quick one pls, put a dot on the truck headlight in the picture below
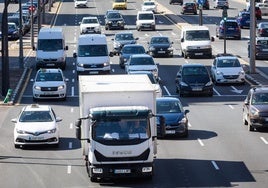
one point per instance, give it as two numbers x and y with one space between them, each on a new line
97 170
152 48
205 47
147 169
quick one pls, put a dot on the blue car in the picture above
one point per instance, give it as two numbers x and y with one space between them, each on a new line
232 29
243 19
127 51
176 121
13 31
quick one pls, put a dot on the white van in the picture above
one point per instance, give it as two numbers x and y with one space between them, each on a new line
92 55
51 48
145 20
196 41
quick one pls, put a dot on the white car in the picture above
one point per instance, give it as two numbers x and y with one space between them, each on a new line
141 62
36 125
80 3
155 82
90 25
263 7
227 69
49 84
149 6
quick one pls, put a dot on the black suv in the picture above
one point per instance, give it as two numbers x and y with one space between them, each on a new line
255 108
114 20
193 78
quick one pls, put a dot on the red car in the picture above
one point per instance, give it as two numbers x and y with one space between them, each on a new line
258 13
189 8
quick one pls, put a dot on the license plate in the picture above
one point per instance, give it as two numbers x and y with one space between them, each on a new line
170 132
197 89
122 171
50 64
198 54
146 26
93 72
231 29
36 138
161 52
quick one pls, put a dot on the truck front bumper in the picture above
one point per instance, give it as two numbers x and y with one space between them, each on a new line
121 170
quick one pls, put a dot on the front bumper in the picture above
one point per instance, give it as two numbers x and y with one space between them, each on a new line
43 139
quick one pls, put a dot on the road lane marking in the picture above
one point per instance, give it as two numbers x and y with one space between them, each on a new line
72 91
72 110
69 169
166 90
71 125
215 165
264 140
200 142
231 106
216 92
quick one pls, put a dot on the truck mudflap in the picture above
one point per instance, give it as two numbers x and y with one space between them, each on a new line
143 170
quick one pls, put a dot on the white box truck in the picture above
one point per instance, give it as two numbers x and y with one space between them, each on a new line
111 106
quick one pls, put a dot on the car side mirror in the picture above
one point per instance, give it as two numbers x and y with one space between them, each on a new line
182 40
111 54
212 39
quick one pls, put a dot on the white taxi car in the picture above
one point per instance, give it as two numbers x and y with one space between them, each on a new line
80 3
90 25
49 84
36 125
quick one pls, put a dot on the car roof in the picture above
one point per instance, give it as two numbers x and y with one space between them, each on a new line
50 70
141 55
193 65
90 17
145 12
167 99
227 57
37 107
123 32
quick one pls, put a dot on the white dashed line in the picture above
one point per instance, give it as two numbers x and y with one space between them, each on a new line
264 140
70 145
69 169
231 106
200 142
215 165
71 125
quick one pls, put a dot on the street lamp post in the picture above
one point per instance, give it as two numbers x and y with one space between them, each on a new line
20 38
252 50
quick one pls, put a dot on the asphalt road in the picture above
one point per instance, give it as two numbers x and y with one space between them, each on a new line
219 151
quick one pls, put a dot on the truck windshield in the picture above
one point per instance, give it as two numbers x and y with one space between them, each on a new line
127 129
50 44
92 50
197 35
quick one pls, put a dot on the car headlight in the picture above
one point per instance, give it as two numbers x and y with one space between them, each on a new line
80 64
152 48
52 131
106 64
209 83
109 22
254 112
205 47
125 59
61 87
183 121
183 84
219 73
117 44
20 131
170 48
37 87
242 73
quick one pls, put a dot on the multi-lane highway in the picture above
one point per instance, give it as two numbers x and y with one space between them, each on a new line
219 152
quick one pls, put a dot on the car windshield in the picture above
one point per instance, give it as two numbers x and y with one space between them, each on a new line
228 63
148 3
119 1
197 35
92 50
141 61
159 40
125 129
163 107
260 99
146 16
90 20
193 71
50 44
113 15
45 77
120 37
36 116
11 26
231 24
133 50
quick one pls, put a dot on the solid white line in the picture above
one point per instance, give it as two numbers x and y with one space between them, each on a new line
263 139
69 169
215 165
231 106
73 71
70 145
72 110
71 125
200 142
72 91
166 90
73 80
216 92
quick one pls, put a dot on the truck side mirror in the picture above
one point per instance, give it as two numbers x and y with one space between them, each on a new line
162 124
66 47
78 129
111 54
33 48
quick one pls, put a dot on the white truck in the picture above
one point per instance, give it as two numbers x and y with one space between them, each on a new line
110 105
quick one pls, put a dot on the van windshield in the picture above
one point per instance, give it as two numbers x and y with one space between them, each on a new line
50 44
197 35
92 50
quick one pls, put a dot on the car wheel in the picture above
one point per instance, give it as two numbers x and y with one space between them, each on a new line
245 122
250 127
185 134
184 55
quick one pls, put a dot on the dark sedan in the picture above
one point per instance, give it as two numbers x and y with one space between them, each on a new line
176 121
13 31
243 19
262 30
127 51
189 8
193 78
114 20
160 46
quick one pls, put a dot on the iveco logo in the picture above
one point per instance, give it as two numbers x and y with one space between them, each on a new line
49 88
124 152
